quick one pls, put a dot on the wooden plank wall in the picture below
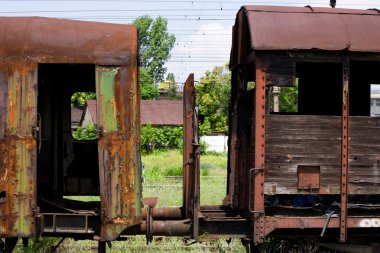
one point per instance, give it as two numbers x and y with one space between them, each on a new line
293 140
364 155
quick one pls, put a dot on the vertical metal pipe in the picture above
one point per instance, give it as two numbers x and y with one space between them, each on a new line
344 148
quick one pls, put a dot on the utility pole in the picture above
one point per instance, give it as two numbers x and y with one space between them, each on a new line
332 3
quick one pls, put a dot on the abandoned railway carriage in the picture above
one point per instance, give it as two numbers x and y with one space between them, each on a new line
43 62
314 171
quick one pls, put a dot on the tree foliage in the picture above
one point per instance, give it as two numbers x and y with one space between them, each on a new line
170 77
213 95
85 133
155 45
162 137
289 99
78 99
148 89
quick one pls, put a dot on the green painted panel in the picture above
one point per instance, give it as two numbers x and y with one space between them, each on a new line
105 84
18 151
119 149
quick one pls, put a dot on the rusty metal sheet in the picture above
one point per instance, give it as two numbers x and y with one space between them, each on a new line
308 177
271 223
3 97
50 40
18 151
119 149
191 156
302 28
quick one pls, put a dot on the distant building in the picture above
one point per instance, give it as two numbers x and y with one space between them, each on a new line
162 112
154 112
89 116
375 100
76 117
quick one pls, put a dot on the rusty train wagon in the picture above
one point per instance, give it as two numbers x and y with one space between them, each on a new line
43 61
310 172
314 171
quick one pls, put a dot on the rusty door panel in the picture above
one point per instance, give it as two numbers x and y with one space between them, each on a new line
191 156
2 106
119 149
18 150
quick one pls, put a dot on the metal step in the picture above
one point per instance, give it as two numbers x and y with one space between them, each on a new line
69 223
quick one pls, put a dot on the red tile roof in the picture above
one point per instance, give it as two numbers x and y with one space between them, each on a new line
162 112
153 112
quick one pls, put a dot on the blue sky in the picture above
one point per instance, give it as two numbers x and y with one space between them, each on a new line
202 27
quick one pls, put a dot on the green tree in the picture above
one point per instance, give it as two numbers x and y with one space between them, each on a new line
170 77
155 44
78 99
289 99
148 89
85 133
213 95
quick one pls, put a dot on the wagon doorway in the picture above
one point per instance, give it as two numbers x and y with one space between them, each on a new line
67 160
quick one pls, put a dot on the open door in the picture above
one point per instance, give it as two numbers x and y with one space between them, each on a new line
119 149
191 153
18 86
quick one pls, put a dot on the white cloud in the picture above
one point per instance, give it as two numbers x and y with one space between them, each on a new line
206 48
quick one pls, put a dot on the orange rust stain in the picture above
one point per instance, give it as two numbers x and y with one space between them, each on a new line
11 109
9 212
8 183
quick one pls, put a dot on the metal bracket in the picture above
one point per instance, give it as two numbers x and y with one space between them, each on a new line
250 174
150 203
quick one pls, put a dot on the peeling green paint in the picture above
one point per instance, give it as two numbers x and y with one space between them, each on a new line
105 80
119 150
18 154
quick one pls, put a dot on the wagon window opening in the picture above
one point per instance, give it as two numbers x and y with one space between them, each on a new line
83 116
319 88
375 100
283 100
364 88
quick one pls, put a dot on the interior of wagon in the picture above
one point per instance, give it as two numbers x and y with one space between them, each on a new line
65 166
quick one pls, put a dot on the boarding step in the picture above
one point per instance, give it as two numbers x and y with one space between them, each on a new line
69 223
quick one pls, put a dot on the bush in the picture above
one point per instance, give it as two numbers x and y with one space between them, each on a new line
163 137
85 133
173 171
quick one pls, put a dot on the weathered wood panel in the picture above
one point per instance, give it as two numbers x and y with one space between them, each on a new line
294 140
364 155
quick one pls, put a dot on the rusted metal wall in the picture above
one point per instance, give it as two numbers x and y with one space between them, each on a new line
119 149
52 40
18 83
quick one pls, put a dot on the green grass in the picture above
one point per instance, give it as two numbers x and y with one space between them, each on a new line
136 244
163 177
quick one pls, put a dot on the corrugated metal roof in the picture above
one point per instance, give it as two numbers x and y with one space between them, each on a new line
53 40
162 112
153 112
303 28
